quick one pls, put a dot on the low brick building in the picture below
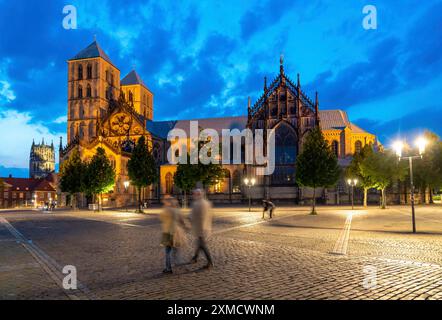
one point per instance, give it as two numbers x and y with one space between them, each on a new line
26 192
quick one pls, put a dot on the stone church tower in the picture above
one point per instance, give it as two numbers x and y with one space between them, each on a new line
93 81
41 160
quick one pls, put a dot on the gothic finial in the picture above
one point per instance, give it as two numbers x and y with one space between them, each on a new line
42 141
317 109
61 144
265 84
281 64
299 81
95 37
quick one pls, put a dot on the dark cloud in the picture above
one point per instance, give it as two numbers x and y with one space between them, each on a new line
263 16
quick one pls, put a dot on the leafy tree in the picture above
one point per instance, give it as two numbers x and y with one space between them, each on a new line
383 168
141 168
317 165
100 175
72 176
428 170
354 170
186 177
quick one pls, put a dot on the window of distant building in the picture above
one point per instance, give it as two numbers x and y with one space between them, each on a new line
131 97
236 182
285 155
169 183
89 71
358 146
335 147
80 72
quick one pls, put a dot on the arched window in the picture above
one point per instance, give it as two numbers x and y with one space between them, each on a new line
285 155
107 75
236 182
169 183
131 97
88 91
108 90
80 92
72 131
89 71
91 132
80 72
82 130
81 111
358 146
112 79
335 147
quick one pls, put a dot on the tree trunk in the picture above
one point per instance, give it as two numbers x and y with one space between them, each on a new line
384 202
314 202
100 201
365 196
140 209
185 200
431 195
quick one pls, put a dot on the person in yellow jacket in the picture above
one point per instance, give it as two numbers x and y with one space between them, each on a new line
172 225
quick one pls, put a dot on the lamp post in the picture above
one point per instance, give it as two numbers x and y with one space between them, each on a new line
126 186
249 183
352 183
398 146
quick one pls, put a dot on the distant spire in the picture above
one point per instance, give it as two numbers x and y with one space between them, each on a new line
265 84
43 141
249 108
60 147
95 37
299 81
52 144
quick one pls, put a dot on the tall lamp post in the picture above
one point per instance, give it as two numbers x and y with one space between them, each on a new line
398 146
126 186
249 183
352 183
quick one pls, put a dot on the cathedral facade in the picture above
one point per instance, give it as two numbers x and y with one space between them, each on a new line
104 111
41 160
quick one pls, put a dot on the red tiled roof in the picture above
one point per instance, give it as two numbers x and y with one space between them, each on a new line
29 184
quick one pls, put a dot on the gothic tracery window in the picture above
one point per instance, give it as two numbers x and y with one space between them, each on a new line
80 92
80 72
335 147
236 182
88 91
89 71
285 155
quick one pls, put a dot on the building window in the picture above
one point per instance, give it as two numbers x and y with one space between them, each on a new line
88 91
236 182
169 183
80 72
131 97
335 147
80 92
89 71
218 187
358 146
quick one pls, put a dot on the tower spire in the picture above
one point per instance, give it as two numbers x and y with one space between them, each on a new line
249 108
60 147
281 64
265 84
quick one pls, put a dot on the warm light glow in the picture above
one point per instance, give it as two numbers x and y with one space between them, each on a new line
126 184
355 181
349 181
421 143
246 181
398 146
253 181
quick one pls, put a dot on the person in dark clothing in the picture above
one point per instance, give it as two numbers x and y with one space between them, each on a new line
268 206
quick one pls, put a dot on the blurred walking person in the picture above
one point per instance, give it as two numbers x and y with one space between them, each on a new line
268 206
201 219
171 224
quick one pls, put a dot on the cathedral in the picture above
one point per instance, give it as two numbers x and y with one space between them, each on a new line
104 111
41 160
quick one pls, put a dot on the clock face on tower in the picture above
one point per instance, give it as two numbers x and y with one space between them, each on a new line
121 123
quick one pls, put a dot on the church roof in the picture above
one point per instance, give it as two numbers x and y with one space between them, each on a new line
92 51
132 78
29 184
329 120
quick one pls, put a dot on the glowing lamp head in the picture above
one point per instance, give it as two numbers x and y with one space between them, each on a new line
355 181
126 184
421 143
349 181
246 181
398 146
252 181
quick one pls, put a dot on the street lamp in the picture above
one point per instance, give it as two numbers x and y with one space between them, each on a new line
421 143
249 183
126 186
352 183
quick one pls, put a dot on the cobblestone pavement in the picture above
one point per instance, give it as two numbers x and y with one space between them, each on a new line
117 255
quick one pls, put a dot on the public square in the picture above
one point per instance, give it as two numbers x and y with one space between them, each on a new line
337 254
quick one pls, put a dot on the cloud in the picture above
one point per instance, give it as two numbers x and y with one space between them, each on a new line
5 91
62 119
14 149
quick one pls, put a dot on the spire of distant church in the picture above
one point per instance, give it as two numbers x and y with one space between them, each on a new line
265 84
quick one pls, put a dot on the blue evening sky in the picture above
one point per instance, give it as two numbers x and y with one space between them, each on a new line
204 58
